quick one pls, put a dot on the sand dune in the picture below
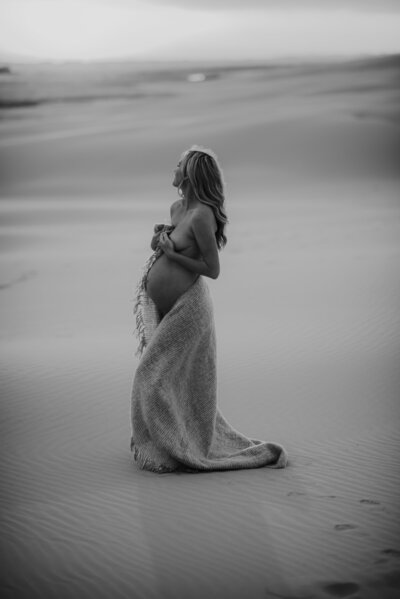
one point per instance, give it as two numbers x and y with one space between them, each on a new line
308 341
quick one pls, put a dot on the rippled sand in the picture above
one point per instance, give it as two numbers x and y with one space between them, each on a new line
307 315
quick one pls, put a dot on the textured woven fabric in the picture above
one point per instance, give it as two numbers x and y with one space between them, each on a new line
176 423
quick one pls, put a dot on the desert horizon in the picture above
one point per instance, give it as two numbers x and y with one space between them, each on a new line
307 319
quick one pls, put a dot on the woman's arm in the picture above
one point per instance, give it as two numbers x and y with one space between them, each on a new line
208 265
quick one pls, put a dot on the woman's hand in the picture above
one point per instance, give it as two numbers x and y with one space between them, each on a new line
165 244
158 229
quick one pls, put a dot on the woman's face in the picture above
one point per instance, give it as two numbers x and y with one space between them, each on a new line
178 174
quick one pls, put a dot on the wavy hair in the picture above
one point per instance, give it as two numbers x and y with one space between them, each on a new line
205 179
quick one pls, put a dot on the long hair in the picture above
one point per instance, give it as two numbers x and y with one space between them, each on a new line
205 179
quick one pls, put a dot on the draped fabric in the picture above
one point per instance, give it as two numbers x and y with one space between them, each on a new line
176 424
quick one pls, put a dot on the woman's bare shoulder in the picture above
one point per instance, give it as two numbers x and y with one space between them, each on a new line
204 214
175 206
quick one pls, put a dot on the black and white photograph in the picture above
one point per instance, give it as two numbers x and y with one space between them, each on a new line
200 299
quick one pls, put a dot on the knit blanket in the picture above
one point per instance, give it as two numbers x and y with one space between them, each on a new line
176 424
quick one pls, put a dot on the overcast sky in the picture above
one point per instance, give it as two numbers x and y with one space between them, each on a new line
198 29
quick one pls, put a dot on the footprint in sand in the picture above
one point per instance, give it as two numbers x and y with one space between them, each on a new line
341 589
345 526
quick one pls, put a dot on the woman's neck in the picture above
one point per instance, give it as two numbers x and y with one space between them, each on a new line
189 200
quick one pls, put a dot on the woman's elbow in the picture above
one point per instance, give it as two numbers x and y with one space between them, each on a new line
211 269
214 273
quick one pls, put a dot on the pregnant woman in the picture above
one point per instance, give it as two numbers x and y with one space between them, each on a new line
176 424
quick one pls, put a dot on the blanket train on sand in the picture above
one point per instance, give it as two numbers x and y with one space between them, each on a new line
176 424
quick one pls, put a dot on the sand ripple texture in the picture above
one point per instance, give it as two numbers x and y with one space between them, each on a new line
308 332
79 520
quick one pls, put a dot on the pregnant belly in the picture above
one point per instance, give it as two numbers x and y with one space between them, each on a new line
166 281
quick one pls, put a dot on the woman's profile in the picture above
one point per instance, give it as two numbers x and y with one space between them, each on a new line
176 423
